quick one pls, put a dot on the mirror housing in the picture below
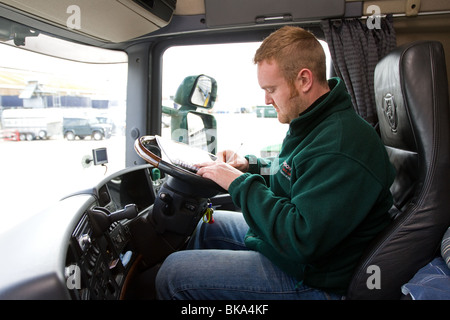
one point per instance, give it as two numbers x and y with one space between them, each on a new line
196 92
196 129
189 126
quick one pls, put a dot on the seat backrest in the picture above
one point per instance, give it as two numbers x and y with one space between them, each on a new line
411 93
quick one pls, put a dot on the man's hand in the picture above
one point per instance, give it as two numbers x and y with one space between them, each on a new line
220 172
233 159
225 169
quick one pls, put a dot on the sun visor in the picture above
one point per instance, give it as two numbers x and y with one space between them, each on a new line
120 20
220 13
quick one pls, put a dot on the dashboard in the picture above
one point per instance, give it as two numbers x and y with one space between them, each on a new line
104 243
81 248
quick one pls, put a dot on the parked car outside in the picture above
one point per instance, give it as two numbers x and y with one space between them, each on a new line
85 127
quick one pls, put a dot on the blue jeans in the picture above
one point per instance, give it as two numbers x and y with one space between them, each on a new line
225 269
432 282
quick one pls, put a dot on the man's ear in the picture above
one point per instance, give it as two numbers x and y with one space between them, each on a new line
304 80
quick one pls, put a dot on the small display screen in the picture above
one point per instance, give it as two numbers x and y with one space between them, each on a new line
100 156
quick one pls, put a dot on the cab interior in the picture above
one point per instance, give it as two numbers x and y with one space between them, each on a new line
107 242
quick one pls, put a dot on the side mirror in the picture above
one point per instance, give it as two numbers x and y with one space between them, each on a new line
202 131
198 129
204 92
188 126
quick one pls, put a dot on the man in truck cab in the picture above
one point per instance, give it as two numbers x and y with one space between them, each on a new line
307 215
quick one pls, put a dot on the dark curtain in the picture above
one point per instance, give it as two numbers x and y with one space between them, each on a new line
355 50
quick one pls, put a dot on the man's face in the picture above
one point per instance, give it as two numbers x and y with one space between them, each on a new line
278 92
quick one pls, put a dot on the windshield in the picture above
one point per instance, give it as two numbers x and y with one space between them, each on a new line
56 106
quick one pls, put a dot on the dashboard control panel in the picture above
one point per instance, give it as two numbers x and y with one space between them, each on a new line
100 253
96 266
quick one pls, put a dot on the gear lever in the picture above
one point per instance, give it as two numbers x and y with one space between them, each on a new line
101 218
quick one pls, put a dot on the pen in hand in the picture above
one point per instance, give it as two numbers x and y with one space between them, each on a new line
230 158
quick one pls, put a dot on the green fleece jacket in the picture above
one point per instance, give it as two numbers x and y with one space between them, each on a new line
318 205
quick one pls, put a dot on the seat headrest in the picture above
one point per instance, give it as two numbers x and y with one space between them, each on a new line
403 87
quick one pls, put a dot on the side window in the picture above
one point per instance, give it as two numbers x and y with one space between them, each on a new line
237 111
244 122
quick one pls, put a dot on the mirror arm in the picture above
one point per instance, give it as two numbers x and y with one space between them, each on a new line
169 111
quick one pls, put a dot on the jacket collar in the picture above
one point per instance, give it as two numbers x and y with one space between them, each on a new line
335 100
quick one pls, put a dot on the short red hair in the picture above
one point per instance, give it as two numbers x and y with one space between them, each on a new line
294 49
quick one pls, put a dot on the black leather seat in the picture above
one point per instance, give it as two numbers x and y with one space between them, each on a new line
411 92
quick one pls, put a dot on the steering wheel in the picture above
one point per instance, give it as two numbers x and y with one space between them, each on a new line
180 179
